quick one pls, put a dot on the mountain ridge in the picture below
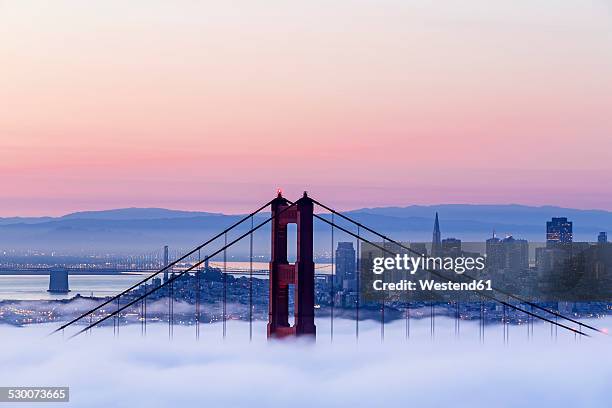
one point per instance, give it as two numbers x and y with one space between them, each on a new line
154 227
130 213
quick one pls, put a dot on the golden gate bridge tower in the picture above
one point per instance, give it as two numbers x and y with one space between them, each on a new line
283 274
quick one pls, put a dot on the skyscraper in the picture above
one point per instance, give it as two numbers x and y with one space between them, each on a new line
516 254
558 231
345 277
602 238
436 242
508 254
495 253
451 247
419 247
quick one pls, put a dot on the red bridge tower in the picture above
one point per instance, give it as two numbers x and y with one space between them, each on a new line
300 274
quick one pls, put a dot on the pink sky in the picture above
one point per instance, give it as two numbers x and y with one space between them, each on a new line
211 107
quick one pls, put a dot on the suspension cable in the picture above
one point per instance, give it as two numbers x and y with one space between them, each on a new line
165 268
465 275
178 275
444 277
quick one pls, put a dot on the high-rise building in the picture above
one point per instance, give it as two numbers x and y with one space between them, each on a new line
550 259
345 277
451 247
419 247
436 242
495 253
516 253
602 238
558 231
508 254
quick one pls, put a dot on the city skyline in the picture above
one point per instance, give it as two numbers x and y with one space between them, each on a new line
208 105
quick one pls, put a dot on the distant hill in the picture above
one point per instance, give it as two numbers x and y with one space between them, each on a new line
24 220
513 214
147 229
114 214
136 214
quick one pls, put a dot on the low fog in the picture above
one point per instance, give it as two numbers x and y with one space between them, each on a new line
448 370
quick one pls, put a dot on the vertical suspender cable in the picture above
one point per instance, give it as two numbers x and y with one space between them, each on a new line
225 287
358 276
530 323
140 314
458 316
118 316
432 315
169 313
484 318
503 321
382 308
251 282
144 321
407 312
481 323
508 324
197 294
508 321
333 278
551 330
142 317
528 330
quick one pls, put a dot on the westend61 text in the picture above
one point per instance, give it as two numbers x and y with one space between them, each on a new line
406 285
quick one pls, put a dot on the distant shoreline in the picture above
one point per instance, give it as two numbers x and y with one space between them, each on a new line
71 272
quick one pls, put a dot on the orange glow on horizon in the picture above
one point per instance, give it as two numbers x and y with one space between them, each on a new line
209 106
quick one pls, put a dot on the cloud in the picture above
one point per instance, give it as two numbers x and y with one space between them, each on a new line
151 371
